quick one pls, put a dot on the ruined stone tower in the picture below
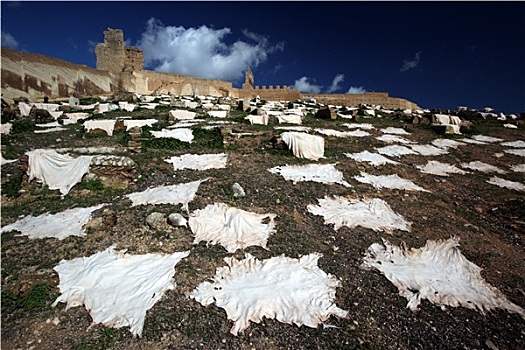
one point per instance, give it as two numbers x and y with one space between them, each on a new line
113 57
248 80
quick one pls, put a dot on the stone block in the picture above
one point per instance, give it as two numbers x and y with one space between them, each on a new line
326 113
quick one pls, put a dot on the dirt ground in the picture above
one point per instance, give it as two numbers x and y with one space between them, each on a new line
489 220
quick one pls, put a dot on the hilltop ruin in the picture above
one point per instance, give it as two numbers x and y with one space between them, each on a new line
121 68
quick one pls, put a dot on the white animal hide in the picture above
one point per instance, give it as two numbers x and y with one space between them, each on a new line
6 128
304 145
374 214
439 273
396 131
442 119
513 185
446 143
484 167
60 225
198 161
231 227
324 173
174 194
182 134
473 142
442 169
6 161
258 119
336 133
517 152
293 291
518 168
484 138
131 123
24 108
180 114
73 118
128 107
389 181
388 138
117 288
516 144
294 128
372 158
395 151
358 133
59 172
107 125
290 119
428 150
218 114
366 126
44 131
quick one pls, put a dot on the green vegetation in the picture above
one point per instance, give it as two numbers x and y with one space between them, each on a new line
92 185
106 339
12 187
24 125
37 299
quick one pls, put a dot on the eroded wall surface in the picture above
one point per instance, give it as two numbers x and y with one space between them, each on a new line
35 76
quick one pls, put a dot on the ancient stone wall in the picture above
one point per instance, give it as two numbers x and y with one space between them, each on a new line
134 59
35 76
271 93
351 100
114 57
150 82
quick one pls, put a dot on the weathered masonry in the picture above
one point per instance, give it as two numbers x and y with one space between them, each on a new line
114 57
121 68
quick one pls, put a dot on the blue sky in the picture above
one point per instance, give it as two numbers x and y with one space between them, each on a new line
437 54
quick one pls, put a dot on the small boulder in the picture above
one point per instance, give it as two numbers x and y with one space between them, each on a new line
238 191
176 219
155 220
326 113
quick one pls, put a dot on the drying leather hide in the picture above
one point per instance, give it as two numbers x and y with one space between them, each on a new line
438 272
293 291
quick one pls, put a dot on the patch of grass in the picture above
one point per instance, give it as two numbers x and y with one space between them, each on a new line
37 299
164 143
208 137
123 137
12 187
107 337
11 151
20 126
88 101
92 185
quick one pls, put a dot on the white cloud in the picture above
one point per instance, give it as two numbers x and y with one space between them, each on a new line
409 64
335 83
8 41
356 90
304 85
202 52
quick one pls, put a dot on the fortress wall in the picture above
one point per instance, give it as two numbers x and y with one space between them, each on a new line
352 100
35 76
271 93
150 82
134 59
